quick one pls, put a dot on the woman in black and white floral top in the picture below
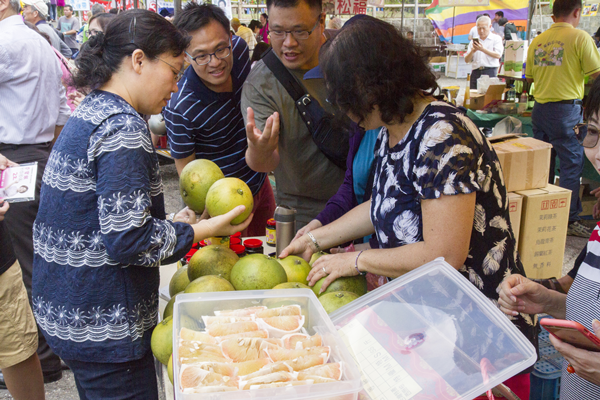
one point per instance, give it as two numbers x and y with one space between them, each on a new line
438 189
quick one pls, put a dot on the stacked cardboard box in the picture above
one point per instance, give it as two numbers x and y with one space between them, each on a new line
539 212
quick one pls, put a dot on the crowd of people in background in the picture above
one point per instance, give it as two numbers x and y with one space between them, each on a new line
411 179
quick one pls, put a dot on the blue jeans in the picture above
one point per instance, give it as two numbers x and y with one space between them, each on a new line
134 380
52 10
553 123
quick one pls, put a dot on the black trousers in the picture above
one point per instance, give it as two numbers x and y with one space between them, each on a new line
476 73
19 222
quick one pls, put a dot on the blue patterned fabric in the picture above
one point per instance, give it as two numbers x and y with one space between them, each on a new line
444 153
99 235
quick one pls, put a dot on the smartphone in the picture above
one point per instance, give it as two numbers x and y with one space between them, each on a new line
572 332
476 40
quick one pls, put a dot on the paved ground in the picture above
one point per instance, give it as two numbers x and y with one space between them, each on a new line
65 388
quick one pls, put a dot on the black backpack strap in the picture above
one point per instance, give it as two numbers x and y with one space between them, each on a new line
283 75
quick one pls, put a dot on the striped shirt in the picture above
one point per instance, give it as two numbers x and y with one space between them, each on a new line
210 124
583 306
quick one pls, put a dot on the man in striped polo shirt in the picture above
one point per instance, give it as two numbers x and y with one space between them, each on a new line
203 118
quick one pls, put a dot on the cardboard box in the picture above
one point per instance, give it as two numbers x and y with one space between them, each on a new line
437 59
525 161
438 67
515 207
543 233
515 54
479 101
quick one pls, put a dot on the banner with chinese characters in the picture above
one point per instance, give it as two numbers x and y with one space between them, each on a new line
350 7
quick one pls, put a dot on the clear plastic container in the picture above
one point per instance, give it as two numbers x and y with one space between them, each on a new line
431 334
195 305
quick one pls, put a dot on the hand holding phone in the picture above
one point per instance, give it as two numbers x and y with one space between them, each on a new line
572 332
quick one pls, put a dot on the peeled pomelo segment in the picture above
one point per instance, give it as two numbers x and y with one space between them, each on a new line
330 371
225 319
211 389
194 376
190 348
202 358
304 362
261 333
275 341
248 367
226 369
246 349
232 328
281 326
296 341
189 334
280 384
266 379
269 369
280 311
242 312
280 354
316 379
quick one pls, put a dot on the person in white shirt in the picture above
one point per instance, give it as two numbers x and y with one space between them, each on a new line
473 32
484 52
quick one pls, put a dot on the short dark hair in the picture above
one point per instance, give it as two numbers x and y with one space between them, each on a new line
562 8
389 74
101 56
195 16
316 4
70 7
254 24
259 50
502 21
114 11
486 15
411 32
592 102
500 13
102 19
264 15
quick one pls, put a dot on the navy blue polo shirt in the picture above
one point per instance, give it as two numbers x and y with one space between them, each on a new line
210 124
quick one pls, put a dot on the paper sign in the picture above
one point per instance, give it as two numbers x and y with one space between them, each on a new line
382 377
351 6
224 5
80 5
18 183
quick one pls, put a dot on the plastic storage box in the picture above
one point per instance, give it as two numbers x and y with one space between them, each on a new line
431 334
194 305
547 372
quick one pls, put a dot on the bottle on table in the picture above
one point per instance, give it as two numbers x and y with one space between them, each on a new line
467 102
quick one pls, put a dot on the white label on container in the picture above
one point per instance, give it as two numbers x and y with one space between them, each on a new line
382 377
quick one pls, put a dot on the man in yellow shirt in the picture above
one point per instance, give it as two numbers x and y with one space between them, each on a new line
557 61
244 33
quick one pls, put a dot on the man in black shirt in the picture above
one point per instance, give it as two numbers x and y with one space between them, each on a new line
19 362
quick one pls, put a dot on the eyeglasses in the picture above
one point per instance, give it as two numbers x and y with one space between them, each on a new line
298 35
219 54
178 75
587 135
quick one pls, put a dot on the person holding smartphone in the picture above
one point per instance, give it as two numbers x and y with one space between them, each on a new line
484 52
581 376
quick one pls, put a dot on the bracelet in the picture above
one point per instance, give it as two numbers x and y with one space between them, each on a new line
310 235
361 273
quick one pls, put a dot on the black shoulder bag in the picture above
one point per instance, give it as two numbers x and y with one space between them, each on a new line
329 133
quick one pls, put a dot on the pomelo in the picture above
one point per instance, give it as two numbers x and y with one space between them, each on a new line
315 257
296 268
161 341
292 285
212 260
170 369
195 180
226 194
256 272
209 283
169 307
179 281
356 284
333 300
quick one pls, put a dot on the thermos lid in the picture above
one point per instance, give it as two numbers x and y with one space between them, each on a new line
285 214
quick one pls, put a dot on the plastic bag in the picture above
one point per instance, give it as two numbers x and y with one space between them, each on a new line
508 125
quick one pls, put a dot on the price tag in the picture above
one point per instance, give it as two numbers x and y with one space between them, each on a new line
382 377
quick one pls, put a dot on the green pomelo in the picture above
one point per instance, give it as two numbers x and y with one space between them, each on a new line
161 341
315 257
169 307
170 369
179 281
333 300
296 268
209 283
355 284
212 260
225 195
195 180
292 285
256 272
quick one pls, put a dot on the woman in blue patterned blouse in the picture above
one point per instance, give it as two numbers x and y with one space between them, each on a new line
438 189
101 233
